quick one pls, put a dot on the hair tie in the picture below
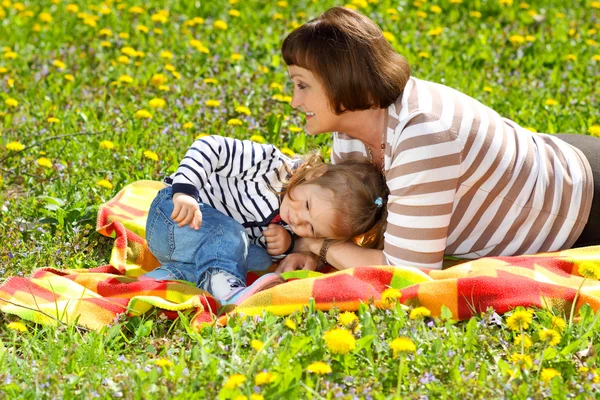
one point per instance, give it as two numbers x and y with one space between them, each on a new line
379 202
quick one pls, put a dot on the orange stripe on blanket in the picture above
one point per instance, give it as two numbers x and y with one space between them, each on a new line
16 287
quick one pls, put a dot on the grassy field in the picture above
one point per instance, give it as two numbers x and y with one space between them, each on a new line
95 95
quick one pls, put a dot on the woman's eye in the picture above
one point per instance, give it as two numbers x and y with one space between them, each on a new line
301 86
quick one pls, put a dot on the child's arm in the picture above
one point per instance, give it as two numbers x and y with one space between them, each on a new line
279 239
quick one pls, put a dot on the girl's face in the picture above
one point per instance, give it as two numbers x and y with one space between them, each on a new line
310 98
310 213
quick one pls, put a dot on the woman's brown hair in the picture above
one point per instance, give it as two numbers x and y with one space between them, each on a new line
359 192
347 52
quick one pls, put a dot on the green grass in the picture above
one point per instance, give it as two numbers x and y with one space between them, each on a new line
546 78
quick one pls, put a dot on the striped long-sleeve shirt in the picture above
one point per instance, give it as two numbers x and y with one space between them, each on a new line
465 182
240 178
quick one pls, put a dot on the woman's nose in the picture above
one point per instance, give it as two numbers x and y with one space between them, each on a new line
295 100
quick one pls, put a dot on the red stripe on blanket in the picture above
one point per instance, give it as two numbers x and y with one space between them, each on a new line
16 284
343 287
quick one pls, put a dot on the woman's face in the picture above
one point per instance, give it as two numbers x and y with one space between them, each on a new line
310 98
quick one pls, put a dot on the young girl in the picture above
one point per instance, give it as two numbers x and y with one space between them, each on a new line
236 205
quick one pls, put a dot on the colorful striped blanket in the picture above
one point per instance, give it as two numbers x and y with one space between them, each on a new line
95 297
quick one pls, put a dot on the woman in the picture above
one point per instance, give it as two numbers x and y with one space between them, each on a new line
462 180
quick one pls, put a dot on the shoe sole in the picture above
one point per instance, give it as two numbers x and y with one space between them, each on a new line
263 283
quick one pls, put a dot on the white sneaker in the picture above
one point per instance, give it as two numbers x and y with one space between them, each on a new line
222 284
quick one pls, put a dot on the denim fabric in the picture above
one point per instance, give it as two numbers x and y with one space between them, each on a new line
220 245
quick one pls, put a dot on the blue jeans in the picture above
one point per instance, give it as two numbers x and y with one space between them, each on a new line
220 245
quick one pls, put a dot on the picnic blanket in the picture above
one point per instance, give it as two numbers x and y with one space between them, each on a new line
95 297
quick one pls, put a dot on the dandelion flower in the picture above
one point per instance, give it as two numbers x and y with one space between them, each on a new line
519 319
295 129
166 54
44 162
391 295
549 336
123 59
256 344
125 79
105 183
258 139
290 324
234 381
10 55
522 360
161 18
151 155
72 8
282 4
419 313
276 86
53 120
286 151
14 146
243 110
105 44
435 9
59 64
158 79
17 326
402 345
124 35
45 17
3 70
143 114
475 14
589 270
107 144
319 368
11 102
423 54
389 36
188 125
571 57
234 13
516 39
161 362
212 103
256 396
558 323
527 343
339 341
157 103
236 57
548 374
347 318
163 88
219 24
211 80
435 31
136 10
234 122
69 77
105 32
264 378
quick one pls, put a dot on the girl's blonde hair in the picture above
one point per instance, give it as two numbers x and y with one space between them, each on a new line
360 197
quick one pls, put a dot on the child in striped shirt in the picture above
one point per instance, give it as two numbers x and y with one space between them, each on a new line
235 205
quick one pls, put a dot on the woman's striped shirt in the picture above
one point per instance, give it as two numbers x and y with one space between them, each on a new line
465 182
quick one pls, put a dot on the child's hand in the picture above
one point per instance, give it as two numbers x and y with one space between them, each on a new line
278 239
186 211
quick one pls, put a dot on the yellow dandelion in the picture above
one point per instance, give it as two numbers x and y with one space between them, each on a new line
158 79
391 295
522 360
319 368
359 3
591 42
286 151
69 77
59 64
17 326
243 110
105 32
234 122
44 162
423 54
516 39
571 57
295 129
276 86
105 183
595 4
163 88
136 10
548 374
3 70
551 102
166 54
234 381
105 44
107 144
475 14
143 114
210 81
290 324
589 270
161 362
282 4
527 343
212 103
236 57
350 6
594 130
53 120
339 341
596 57
160 18
125 79
10 102
234 13
14 146
347 318
258 139
170 67
389 36
435 9
188 125
520 319
277 16
45 17
123 59
201 135
124 35
256 344
264 378
72 8
256 396
10 55
419 313
219 24
530 38
558 323
157 103
402 345
549 336
487 89
151 155
435 31
90 22
506 2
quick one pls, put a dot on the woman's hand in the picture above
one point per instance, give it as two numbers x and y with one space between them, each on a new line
186 211
295 261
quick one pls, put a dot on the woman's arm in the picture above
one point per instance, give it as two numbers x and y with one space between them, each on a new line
343 255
